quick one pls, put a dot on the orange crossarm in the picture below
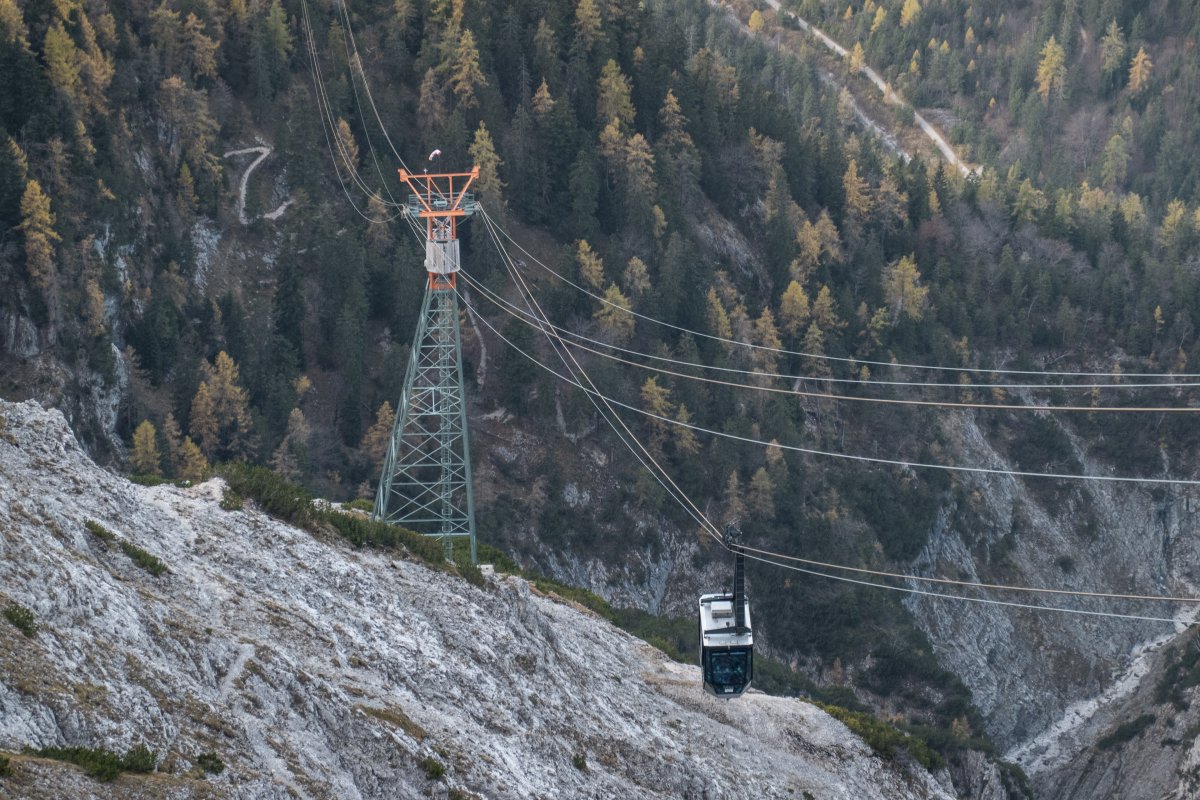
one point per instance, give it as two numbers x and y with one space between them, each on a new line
439 195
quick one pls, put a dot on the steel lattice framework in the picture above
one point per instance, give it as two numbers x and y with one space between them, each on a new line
426 481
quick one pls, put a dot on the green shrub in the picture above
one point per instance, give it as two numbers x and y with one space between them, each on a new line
99 531
883 738
22 619
143 559
273 494
580 761
5 767
433 768
101 764
211 763
148 480
232 501
139 759
360 504
1126 731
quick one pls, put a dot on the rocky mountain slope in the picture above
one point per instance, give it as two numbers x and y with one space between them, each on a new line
314 670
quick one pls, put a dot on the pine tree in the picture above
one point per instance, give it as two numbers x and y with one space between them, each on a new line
766 336
857 192
194 466
591 267
1112 50
291 454
37 223
614 315
904 295
587 24
173 439
614 95
543 103
735 505
761 495
62 61
814 345
824 310
682 435
1139 72
202 50
483 154
1052 70
347 148
794 308
375 440
145 459
656 401
431 105
466 76
636 278
203 423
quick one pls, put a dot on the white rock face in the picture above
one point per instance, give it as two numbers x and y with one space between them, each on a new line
317 671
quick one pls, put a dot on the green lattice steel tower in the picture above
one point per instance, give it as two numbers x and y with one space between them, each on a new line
426 481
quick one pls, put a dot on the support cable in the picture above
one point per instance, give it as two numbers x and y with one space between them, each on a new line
828 396
856 361
710 529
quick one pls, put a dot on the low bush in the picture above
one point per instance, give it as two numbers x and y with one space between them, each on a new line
99 531
5 767
883 738
22 619
211 763
146 561
433 768
1126 731
102 764
232 501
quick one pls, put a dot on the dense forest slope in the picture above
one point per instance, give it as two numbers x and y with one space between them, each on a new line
183 310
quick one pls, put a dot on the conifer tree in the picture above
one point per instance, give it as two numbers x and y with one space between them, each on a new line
760 498
375 440
591 266
614 99
1052 70
466 76
37 223
614 315
683 436
194 466
483 153
173 439
902 291
794 308
145 458
203 423
587 24
636 278
1139 72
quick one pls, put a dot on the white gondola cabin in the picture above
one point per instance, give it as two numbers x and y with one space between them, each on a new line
726 638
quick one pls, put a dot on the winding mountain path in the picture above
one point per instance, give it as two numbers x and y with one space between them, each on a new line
889 95
263 151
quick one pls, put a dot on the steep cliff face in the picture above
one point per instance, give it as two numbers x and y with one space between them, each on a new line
1051 683
314 670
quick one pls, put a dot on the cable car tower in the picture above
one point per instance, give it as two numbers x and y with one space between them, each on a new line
426 481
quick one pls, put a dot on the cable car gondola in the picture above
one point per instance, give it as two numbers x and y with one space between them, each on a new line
726 639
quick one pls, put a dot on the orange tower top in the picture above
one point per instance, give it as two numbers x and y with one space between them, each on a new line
440 199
